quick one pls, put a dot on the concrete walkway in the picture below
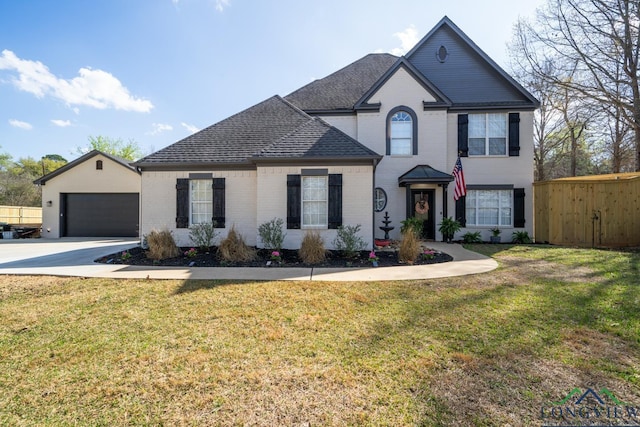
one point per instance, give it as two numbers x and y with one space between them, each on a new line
74 257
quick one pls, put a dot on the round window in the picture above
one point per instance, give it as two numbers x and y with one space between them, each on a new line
379 199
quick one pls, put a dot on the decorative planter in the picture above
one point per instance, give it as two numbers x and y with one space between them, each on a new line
382 242
494 239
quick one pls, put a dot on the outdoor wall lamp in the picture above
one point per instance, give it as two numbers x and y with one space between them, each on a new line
49 203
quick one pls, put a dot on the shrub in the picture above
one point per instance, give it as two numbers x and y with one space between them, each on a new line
272 234
233 248
409 248
520 237
161 245
448 227
312 249
349 241
202 235
414 224
472 237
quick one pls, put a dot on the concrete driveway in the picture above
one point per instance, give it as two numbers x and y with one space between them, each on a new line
75 257
67 252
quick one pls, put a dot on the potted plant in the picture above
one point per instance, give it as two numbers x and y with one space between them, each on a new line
448 227
495 235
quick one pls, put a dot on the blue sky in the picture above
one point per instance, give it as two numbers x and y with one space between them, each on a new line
156 71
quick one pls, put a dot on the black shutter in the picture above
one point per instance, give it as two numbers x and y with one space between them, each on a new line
182 203
514 134
518 208
218 202
463 135
294 201
461 211
335 201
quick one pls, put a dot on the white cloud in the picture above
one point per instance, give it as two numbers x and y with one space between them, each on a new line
408 39
20 124
94 88
61 123
221 4
190 128
159 128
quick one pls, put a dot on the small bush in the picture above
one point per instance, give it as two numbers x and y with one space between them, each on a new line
472 237
202 235
233 248
161 245
349 241
409 247
520 237
312 249
272 234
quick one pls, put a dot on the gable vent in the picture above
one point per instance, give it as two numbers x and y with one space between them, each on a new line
442 54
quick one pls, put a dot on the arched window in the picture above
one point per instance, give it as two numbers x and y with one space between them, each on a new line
402 132
99 165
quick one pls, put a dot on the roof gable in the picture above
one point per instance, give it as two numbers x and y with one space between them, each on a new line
466 75
93 153
437 98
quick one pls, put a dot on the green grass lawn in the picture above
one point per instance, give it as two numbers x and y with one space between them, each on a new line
490 349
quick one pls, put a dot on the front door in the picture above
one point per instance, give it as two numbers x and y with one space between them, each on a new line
423 207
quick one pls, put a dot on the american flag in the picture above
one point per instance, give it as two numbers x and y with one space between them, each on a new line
458 175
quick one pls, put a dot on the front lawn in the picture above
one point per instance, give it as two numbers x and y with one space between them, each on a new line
490 349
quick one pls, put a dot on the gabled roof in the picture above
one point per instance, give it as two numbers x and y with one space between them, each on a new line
424 174
340 91
272 129
118 160
467 75
441 98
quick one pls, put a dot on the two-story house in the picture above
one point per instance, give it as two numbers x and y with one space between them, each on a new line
380 135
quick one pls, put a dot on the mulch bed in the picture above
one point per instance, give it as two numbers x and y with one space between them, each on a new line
137 256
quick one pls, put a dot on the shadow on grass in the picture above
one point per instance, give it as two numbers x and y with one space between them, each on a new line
197 285
507 324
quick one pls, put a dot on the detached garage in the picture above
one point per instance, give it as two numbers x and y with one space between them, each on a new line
96 195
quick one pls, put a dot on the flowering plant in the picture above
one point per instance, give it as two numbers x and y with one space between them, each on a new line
125 255
191 253
428 254
373 257
275 256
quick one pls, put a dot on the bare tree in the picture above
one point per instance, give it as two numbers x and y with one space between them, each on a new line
601 39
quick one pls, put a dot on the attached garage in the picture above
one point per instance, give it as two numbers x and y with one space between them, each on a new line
97 195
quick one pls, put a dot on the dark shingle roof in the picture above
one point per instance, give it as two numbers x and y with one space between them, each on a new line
272 129
342 89
119 160
316 139
424 174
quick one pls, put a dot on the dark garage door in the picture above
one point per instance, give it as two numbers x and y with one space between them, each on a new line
99 215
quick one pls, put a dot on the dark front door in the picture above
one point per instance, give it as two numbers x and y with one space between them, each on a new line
423 207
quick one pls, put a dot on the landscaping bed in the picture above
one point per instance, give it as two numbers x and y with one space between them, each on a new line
263 258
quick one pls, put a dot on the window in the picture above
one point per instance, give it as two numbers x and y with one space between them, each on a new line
201 200
401 134
314 201
488 134
489 207
99 165
379 199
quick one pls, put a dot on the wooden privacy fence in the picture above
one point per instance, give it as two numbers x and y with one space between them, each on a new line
590 211
20 215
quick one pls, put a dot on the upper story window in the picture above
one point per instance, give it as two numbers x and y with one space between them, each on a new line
402 132
99 165
488 134
201 200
